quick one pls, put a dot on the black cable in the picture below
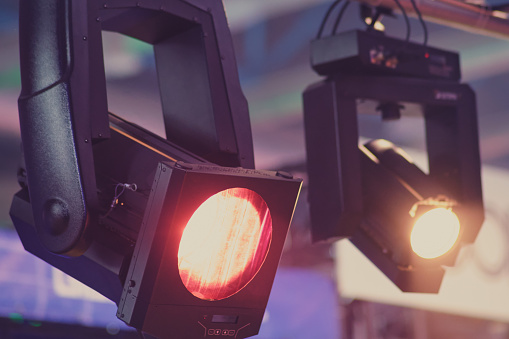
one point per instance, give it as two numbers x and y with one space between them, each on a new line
340 15
114 203
421 20
406 20
326 17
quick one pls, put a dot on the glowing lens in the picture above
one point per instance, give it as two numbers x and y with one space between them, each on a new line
224 244
435 233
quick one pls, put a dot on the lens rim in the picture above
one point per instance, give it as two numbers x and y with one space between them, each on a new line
241 280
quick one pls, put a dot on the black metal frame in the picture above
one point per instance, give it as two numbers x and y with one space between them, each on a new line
63 106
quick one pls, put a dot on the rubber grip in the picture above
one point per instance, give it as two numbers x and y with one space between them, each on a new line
56 191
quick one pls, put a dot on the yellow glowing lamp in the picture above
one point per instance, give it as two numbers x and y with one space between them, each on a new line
435 233
207 251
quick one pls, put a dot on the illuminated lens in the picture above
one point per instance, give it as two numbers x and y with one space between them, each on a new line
224 243
435 233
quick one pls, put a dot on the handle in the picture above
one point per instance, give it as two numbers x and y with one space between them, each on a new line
51 128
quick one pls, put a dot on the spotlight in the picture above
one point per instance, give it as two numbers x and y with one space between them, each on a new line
411 226
181 233
408 223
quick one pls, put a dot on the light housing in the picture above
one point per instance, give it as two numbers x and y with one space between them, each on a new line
396 194
107 201
133 259
366 194
155 289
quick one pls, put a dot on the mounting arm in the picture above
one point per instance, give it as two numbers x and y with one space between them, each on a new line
63 103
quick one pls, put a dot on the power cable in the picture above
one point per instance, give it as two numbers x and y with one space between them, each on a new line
326 18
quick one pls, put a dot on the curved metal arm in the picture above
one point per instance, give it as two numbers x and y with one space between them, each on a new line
63 104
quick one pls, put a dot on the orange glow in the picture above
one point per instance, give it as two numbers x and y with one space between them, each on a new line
224 244
435 233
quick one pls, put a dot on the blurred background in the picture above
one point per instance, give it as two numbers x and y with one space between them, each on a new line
323 290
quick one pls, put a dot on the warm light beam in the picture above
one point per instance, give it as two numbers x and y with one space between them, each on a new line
435 233
224 243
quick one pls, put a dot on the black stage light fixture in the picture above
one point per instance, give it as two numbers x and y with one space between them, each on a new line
408 223
181 233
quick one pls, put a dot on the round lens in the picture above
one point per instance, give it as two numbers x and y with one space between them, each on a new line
435 233
224 244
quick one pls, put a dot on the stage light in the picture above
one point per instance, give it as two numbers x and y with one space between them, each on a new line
409 223
410 226
208 250
181 233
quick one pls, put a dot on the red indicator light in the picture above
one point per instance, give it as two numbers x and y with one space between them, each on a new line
224 243
426 55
